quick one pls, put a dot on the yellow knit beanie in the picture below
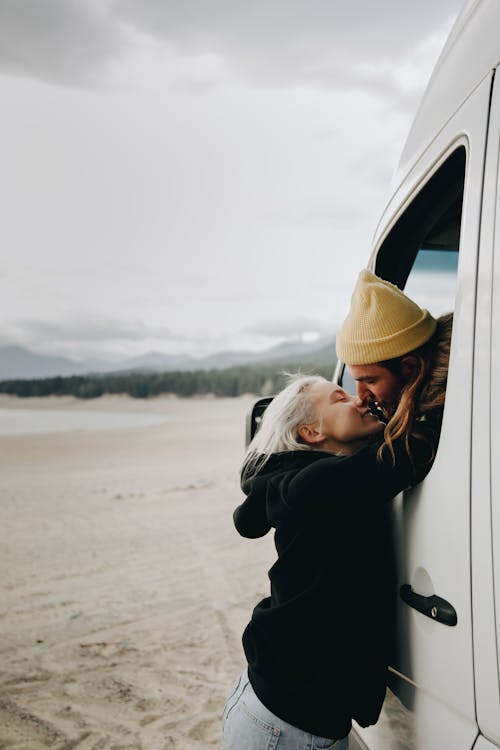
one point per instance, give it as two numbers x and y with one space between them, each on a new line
382 323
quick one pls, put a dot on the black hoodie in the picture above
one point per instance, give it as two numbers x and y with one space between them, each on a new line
317 646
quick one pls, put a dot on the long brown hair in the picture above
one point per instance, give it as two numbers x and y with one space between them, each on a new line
419 411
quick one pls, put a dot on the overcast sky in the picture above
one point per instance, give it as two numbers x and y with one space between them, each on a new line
188 175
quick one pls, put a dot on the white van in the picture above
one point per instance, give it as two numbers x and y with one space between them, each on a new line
439 238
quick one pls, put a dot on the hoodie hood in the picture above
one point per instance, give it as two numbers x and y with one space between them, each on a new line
265 503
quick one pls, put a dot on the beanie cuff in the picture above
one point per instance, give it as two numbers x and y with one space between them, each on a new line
371 351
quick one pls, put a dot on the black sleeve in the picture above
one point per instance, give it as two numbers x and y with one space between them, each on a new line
350 486
250 518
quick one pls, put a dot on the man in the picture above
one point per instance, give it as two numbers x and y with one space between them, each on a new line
377 340
398 355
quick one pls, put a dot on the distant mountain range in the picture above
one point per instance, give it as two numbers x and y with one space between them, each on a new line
19 363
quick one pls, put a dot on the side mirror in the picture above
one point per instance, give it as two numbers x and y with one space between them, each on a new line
254 418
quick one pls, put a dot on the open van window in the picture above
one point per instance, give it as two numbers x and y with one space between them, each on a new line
425 241
433 280
420 253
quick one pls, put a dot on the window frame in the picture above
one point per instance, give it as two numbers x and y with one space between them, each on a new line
400 276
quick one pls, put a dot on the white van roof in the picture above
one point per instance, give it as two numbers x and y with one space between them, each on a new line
471 51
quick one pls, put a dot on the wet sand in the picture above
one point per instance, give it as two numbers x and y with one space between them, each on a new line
124 586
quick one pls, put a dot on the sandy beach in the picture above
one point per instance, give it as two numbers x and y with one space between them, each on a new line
124 587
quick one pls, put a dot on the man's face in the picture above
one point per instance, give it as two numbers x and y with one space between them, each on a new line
376 383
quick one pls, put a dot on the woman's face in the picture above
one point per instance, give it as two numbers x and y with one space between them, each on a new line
341 424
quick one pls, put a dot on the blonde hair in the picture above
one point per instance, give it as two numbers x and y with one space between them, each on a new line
424 395
278 431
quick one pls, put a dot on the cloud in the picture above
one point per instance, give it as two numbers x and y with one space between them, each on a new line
289 327
64 41
101 329
233 171
111 340
105 337
285 43
289 42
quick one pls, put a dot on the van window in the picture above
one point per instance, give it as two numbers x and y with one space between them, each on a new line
433 280
420 255
425 240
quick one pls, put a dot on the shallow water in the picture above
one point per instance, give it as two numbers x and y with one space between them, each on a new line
32 421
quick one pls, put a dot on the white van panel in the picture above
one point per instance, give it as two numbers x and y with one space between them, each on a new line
432 522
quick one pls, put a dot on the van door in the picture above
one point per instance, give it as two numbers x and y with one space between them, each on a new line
429 245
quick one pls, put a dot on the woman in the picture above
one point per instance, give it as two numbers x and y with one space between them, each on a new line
316 647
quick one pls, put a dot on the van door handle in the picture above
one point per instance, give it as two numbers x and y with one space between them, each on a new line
431 606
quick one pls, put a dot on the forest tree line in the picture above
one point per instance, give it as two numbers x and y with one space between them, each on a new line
261 380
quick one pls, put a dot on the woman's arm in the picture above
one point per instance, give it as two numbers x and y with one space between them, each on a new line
354 484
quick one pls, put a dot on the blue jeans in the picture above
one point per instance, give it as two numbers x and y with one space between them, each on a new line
248 725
